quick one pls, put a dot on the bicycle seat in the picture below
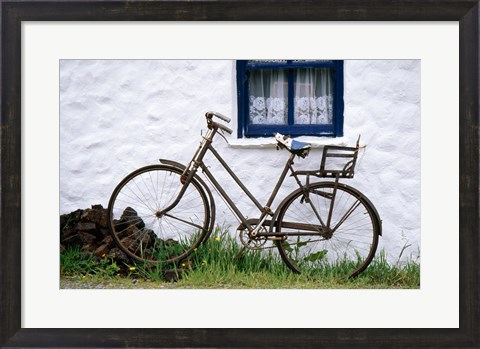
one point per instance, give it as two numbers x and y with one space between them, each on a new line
296 147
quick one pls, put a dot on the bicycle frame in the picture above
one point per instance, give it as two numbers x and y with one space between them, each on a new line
146 230
265 211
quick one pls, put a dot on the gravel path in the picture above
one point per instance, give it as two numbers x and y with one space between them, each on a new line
75 283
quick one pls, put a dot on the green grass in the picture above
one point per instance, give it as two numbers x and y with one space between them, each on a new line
74 262
216 264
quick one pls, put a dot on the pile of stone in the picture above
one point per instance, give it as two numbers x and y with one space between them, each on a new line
88 229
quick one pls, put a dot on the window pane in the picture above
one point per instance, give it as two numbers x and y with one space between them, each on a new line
268 96
313 96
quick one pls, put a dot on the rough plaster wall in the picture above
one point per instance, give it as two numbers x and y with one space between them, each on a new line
116 116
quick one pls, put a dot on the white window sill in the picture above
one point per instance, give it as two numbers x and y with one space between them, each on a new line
270 142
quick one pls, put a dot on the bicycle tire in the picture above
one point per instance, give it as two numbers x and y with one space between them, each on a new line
351 246
138 224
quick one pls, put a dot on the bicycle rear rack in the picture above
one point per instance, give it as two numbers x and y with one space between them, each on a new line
337 162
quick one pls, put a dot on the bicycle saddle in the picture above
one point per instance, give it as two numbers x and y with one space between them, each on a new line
296 147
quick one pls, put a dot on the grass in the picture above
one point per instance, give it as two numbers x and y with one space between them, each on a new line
216 264
74 262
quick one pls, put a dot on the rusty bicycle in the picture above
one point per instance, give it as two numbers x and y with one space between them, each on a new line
161 213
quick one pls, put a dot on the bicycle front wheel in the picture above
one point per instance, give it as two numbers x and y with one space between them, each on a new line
343 245
139 223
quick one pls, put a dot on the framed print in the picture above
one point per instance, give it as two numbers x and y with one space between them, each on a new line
191 327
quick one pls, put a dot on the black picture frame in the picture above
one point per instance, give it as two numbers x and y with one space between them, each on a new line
466 12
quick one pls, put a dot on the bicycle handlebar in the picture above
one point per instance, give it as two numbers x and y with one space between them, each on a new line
211 114
225 128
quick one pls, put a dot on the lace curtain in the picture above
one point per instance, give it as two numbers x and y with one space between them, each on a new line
312 96
268 96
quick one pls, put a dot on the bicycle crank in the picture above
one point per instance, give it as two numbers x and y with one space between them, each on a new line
253 243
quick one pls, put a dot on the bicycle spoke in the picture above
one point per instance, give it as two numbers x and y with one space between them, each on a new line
353 236
346 215
184 221
138 197
142 230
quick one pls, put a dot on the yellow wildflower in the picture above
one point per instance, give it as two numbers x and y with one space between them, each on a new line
132 268
217 238
183 264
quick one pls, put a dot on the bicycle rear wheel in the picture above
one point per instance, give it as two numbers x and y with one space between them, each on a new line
345 249
141 227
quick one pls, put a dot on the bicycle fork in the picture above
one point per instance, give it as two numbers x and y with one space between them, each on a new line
190 170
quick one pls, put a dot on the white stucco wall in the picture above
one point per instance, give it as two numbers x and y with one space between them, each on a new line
116 116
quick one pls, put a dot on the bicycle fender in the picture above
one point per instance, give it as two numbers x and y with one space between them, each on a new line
172 163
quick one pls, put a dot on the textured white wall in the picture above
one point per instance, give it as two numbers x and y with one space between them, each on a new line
116 116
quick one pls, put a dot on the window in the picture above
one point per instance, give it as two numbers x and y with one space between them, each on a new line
294 97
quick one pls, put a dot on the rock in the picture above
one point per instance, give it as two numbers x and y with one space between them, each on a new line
119 256
171 275
63 221
135 240
67 224
86 227
130 243
97 216
119 226
88 249
108 240
90 228
70 219
130 215
129 212
86 238
150 237
101 250
105 232
69 237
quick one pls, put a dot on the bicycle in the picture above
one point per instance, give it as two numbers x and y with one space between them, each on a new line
161 213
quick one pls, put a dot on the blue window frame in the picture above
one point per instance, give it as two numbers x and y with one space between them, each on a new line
294 97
